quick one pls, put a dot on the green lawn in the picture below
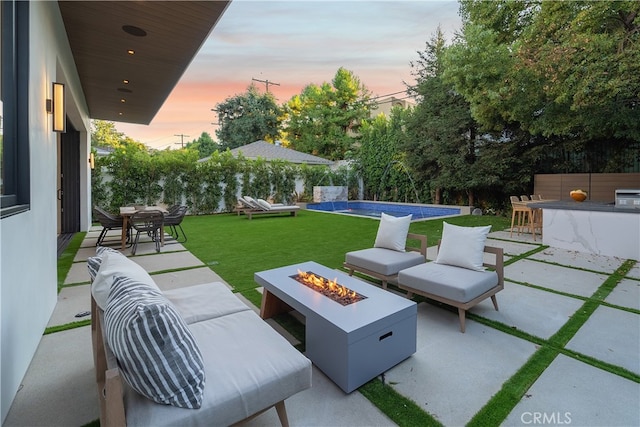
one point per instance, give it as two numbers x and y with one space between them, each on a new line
235 247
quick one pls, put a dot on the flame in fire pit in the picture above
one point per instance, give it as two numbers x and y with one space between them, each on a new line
329 288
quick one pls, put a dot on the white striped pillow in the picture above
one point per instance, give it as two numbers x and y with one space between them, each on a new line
155 349
93 263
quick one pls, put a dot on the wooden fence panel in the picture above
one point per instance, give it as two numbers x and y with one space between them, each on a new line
601 187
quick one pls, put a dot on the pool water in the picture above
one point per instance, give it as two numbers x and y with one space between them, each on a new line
375 209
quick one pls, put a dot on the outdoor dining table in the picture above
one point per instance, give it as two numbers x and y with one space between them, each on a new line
127 212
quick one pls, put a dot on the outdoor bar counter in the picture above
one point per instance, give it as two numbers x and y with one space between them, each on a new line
593 227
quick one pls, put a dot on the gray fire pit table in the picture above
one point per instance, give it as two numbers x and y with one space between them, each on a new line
351 343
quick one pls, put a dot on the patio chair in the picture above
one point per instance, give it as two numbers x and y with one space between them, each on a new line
458 276
390 253
174 220
150 222
108 222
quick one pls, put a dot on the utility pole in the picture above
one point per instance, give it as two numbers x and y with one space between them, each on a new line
266 82
181 135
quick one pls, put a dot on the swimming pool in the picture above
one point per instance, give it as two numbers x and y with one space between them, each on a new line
374 209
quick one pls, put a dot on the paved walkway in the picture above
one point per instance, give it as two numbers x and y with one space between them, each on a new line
451 376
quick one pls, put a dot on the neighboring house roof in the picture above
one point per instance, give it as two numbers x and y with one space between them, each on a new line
164 37
265 150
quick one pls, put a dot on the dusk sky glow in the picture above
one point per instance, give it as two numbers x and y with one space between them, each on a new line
295 43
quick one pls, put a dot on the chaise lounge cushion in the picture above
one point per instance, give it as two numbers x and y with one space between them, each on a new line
463 246
454 283
392 232
156 352
383 261
271 371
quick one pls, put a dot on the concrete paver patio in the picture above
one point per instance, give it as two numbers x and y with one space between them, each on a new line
451 376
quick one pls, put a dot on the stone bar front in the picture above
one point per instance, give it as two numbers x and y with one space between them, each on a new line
592 227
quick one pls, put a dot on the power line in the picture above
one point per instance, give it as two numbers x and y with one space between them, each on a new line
389 94
266 82
181 135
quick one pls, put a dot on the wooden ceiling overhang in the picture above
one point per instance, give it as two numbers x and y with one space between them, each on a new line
131 54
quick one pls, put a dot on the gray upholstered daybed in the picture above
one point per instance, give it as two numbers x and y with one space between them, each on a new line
232 367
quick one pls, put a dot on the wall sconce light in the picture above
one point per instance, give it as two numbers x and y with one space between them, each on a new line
56 106
92 161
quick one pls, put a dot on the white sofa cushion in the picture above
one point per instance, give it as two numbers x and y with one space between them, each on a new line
156 352
392 232
463 246
454 283
384 261
203 302
254 368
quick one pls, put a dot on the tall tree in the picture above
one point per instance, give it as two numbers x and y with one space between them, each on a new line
322 120
247 118
555 68
205 145
105 134
441 147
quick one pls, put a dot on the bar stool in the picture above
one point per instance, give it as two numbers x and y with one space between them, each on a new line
521 211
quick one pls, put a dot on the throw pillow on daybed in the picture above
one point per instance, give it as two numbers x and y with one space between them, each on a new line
93 263
110 264
392 232
155 349
463 246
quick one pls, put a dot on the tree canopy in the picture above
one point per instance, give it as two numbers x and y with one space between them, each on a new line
204 145
322 119
556 68
248 117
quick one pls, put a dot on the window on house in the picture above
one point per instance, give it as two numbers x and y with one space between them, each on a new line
14 107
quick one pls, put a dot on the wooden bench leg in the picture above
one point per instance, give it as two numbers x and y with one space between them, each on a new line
494 300
384 284
282 413
461 314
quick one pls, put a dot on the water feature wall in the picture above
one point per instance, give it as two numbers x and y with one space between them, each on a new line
331 193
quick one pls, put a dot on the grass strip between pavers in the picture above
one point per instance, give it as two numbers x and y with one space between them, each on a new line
502 403
65 261
66 326
401 410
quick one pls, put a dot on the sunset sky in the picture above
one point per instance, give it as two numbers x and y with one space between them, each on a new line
294 43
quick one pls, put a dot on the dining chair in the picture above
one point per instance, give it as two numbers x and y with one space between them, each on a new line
150 222
174 220
524 198
108 222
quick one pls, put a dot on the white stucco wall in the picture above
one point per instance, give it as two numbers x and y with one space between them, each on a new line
28 277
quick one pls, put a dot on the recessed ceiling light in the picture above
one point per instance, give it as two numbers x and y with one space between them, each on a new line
125 81
123 100
120 113
134 31
131 52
